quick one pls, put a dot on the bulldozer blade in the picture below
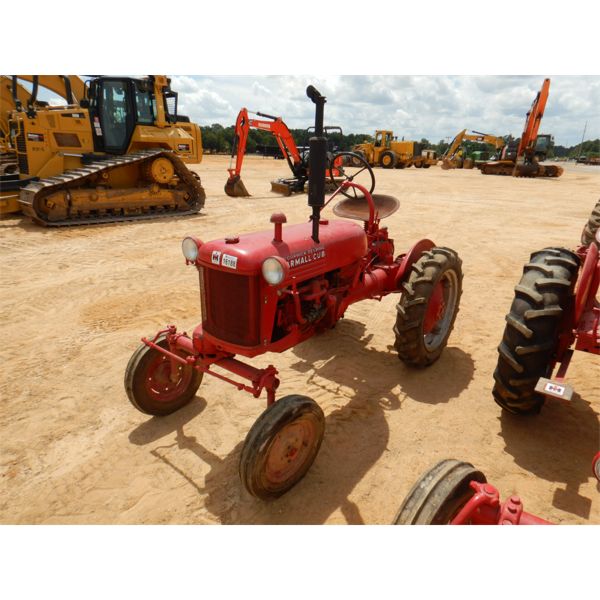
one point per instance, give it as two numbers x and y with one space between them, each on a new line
235 188
280 187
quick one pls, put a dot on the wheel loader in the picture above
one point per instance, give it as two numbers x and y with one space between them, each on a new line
116 154
389 153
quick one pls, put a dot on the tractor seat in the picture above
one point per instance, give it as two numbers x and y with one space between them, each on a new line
357 208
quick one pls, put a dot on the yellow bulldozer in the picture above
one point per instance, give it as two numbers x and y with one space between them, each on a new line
389 153
116 151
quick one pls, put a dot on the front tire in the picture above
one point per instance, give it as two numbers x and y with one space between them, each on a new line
281 446
428 307
530 339
388 160
438 496
149 385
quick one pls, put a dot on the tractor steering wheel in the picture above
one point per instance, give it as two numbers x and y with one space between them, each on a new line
352 167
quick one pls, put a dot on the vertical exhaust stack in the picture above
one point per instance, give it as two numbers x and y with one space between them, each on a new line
317 162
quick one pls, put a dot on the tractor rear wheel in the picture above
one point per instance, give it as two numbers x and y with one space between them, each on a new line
439 494
426 165
388 160
589 231
151 387
428 307
419 165
542 298
281 446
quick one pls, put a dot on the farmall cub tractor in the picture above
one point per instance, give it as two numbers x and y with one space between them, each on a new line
268 291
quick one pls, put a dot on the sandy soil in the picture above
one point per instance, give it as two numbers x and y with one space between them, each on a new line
76 301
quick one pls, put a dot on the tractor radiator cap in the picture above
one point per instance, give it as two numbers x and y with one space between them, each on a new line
358 208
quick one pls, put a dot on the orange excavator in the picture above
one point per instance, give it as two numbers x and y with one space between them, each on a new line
235 186
524 163
298 163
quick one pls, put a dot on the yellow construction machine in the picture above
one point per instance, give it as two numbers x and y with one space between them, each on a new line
389 153
115 152
453 157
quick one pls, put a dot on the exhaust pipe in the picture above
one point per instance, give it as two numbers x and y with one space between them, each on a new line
235 187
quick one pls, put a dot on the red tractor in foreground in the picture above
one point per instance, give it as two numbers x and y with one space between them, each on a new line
268 291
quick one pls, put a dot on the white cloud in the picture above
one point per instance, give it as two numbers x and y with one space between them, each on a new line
413 106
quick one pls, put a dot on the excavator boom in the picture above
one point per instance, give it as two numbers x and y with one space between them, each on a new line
525 163
234 186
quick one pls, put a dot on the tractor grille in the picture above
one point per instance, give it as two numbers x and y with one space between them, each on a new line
230 308
22 153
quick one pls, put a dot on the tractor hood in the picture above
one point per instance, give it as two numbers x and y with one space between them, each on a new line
341 243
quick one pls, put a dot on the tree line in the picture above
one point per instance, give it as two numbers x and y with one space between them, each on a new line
219 139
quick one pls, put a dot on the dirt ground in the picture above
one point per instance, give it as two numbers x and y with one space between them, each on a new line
75 302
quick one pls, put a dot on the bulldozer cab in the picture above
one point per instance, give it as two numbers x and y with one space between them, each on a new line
118 104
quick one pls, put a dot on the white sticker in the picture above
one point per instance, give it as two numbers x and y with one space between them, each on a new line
229 261
216 257
553 388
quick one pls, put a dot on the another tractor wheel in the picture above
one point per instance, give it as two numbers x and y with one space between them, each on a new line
281 446
428 307
418 165
149 385
439 494
530 338
589 231
388 160
426 165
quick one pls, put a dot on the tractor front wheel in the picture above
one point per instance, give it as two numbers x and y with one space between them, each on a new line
428 307
439 494
542 298
151 385
281 446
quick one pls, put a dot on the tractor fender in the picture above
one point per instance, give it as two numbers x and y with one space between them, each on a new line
407 260
589 280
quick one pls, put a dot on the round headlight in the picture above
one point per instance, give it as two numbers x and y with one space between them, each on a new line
189 247
274 270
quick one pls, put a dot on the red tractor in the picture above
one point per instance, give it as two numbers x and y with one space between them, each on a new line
268 291
455 493
555 312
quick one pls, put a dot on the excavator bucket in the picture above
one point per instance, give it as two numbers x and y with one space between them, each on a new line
235 188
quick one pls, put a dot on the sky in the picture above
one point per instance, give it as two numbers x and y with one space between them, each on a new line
435 107
413 106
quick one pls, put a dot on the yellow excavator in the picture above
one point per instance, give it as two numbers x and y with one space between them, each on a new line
115 152
453 158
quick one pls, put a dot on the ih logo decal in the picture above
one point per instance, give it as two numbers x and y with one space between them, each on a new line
216 257
553 388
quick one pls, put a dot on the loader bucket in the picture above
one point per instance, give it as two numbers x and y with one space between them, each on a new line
235 187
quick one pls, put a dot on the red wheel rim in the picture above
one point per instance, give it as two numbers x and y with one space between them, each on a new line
440 310
159 382
289 451
596 466
436 308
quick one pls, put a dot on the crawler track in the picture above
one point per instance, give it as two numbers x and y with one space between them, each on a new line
33 196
